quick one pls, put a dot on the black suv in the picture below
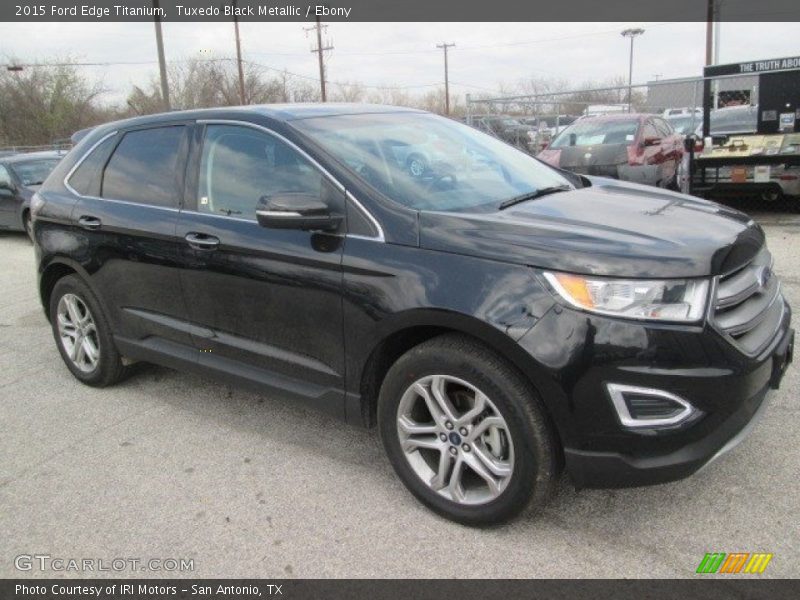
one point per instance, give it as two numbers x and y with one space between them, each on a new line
499 320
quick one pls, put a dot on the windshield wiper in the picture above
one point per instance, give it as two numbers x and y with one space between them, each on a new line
533 195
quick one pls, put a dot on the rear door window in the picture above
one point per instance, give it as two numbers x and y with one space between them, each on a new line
144 167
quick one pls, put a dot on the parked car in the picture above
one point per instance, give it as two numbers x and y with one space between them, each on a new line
20 176
506 128
681 112
686 124
496 327
633 147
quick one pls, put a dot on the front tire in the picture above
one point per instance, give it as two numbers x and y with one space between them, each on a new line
82 333
466 434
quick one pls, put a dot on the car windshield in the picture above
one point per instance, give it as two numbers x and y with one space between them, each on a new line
427 162
597 133
34 172
685 124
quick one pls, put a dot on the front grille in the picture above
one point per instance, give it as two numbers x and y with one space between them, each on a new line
748 306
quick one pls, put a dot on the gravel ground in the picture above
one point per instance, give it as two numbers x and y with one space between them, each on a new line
168 465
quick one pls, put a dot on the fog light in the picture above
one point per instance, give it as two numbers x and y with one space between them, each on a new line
642 407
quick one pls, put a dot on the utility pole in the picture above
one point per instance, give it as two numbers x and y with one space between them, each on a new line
631 33
709 31
162 63
320 49
238 52
444 46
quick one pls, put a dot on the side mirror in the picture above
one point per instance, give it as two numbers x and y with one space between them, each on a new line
652 141
296 210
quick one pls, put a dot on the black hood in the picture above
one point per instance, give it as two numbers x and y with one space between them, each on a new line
611 228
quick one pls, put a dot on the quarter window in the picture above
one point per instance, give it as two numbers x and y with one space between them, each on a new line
240 165
86 178
650 131
143 168
5 177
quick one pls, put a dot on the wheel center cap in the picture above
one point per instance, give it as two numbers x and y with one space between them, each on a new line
455 439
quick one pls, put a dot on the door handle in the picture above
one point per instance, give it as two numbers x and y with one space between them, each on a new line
202 241
88 222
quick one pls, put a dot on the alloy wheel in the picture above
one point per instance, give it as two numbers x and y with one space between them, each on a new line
78 332
455 439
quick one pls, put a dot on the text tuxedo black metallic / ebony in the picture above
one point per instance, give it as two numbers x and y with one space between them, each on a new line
356 257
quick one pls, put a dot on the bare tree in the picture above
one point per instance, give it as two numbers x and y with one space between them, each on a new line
41 104
348 92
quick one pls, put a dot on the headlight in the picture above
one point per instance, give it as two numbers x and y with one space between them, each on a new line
681 300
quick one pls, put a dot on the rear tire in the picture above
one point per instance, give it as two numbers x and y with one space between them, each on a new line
82 333
27 224
510 441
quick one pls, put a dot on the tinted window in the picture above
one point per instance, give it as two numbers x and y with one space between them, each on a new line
5 177
34 172
143 168
686 124
650 131
86 178
239 165
663 127
591 132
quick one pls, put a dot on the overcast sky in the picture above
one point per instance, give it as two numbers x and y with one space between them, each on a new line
404 54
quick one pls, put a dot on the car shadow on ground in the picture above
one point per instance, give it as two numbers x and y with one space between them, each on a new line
284 422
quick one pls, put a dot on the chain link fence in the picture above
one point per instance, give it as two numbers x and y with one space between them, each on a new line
557 126
62 144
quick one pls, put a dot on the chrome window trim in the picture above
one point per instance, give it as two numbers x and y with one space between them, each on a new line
379 238
80 162
616 391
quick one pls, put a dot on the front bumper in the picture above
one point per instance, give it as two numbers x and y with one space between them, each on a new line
729 389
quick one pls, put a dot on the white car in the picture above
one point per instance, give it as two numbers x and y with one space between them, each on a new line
685 110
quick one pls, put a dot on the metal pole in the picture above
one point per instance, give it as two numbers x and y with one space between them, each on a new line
709 31
162 63
238 53
631 33
444 46
321 62
468 98
630 77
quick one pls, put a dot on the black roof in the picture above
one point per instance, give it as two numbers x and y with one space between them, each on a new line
278 112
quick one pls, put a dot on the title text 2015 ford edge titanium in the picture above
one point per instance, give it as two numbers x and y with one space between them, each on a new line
499 320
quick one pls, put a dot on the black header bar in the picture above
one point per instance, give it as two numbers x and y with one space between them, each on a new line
396 10
706 587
